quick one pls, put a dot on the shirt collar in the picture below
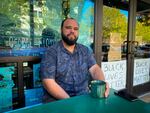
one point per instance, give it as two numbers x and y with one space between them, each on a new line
64 49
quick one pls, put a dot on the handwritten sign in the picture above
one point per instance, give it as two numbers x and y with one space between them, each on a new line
115 73
141 71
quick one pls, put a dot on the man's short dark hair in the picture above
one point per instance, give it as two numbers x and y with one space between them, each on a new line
62 23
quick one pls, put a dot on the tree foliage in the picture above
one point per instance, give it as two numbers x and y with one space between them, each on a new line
143 27
15 13
114 21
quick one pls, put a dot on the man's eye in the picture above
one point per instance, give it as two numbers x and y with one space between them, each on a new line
76 28
68 27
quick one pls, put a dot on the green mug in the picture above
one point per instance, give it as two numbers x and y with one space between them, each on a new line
98 88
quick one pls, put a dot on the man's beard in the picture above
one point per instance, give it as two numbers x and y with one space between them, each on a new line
69 41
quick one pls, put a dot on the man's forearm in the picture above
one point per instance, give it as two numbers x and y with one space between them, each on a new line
54 89
97 73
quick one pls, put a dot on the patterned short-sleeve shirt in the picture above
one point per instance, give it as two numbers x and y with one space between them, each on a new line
70 70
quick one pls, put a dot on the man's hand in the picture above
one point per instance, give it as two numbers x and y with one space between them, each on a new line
107 90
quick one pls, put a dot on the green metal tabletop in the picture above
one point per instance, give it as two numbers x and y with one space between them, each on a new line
88 104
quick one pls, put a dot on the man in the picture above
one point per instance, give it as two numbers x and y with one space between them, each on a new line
66 65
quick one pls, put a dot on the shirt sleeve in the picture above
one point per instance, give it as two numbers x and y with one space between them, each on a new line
91 59
48 64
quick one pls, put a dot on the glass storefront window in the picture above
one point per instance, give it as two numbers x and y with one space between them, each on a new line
114 56
13 23
27 28
142 47
36 23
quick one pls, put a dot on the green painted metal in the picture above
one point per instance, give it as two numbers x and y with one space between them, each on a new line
88 104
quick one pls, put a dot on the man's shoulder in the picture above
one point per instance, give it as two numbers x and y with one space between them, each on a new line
82 47
54 46
53 49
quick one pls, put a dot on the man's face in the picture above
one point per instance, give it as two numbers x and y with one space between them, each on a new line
70 31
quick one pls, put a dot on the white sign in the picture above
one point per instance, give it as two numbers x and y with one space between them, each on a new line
141 71
115 73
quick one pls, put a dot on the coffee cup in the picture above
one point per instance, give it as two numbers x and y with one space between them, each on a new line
98 88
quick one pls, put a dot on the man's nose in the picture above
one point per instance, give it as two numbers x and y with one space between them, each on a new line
72 30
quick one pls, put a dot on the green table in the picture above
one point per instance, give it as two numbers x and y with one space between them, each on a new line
87 104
